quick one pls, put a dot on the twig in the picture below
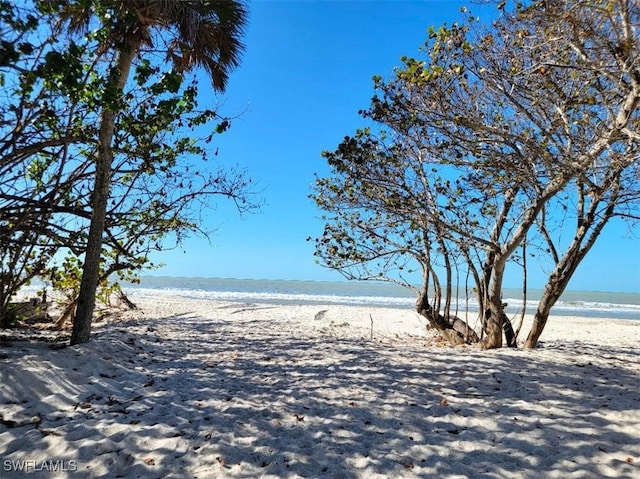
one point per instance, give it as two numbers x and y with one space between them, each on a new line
371 318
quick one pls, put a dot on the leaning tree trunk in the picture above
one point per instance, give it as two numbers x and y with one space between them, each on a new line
99 200
590 226
549 297
557 283
453 329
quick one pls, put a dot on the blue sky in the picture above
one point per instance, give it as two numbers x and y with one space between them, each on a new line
305 74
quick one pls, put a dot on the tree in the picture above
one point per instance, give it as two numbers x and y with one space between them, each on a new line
158 192
47 165
197 33
473 146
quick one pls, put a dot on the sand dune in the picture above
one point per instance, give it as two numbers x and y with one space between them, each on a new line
196 388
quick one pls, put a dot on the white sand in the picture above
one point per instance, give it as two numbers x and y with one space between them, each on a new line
195 388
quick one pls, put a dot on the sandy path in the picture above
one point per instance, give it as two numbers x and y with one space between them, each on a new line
204 389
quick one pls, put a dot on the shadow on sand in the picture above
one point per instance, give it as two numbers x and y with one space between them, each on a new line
188 397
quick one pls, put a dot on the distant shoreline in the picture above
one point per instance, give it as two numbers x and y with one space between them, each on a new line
636 294
285 292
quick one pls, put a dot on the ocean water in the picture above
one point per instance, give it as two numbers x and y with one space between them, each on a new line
572 303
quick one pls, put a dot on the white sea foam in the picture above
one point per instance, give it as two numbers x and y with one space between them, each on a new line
278 298
587 304
566 307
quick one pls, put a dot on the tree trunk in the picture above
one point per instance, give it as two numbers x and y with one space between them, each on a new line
582 243
93 253
495 321
99 200
559 279
549 298
509 334
66 314
453 329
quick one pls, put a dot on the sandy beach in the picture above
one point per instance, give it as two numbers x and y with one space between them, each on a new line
187 388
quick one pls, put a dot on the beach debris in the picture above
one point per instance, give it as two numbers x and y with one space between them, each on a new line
149 461
320 314
83 405
371 336
123 299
